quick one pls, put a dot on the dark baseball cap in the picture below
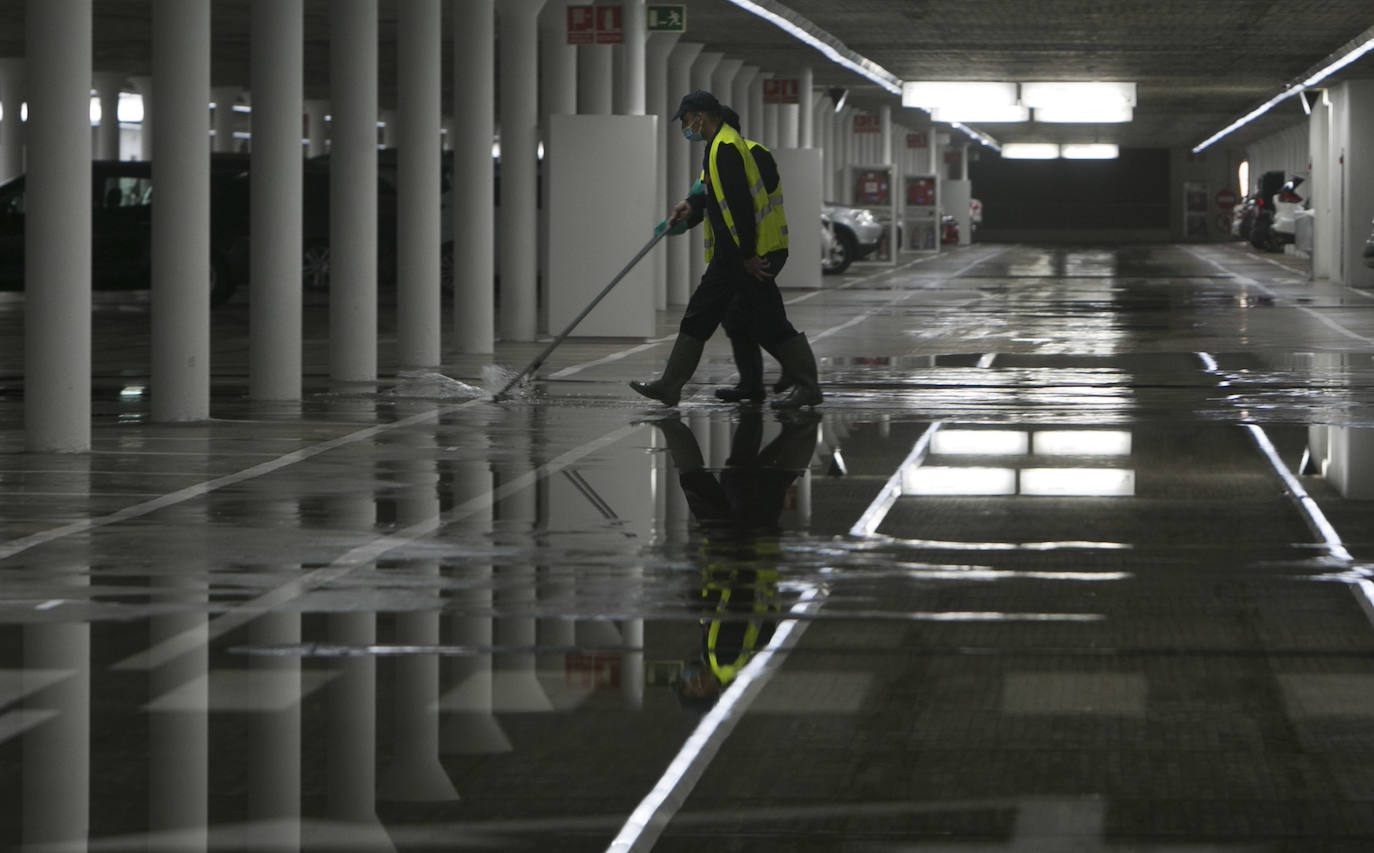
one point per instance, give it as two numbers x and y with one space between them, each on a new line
699 101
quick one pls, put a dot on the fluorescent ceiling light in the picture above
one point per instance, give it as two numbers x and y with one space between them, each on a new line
976 135
1351 52
805 31
1030 151
1069 94
929 94
1085 114
983 113
1089 151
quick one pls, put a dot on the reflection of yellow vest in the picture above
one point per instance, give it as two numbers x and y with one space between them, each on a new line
770 220
765 588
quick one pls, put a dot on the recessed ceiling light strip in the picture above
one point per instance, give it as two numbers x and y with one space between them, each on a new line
792 23
1352 51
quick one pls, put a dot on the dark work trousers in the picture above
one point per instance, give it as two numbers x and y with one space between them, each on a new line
753 307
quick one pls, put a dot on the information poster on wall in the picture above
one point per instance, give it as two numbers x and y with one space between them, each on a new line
922 213
873 189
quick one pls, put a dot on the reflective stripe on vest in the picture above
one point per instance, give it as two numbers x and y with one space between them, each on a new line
770 220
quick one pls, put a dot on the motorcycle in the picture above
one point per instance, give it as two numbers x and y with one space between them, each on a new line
1276 197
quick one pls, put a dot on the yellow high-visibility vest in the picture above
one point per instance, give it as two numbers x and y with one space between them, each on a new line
770 219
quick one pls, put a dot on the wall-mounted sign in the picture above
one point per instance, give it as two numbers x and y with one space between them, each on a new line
581 25
666 19
609 26
781 91
867 123
916 140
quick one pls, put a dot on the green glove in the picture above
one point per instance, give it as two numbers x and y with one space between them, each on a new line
679 227
698 188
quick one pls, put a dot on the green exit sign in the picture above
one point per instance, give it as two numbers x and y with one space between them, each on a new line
667 19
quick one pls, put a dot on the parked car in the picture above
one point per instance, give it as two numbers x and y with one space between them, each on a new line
122 225
857 231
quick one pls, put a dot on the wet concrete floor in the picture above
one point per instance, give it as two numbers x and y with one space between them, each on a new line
1074 557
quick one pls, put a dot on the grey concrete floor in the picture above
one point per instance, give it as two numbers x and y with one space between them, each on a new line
1045 572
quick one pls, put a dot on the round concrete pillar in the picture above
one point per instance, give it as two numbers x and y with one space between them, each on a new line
418 306
353 235
316 130
681 170
277 50
57 241
181 217
519 161
474 233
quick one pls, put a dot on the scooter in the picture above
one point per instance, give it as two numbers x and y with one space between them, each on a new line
1262 234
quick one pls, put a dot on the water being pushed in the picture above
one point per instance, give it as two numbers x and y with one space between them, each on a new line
431 385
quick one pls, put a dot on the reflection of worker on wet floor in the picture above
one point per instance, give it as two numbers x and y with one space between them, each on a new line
738 511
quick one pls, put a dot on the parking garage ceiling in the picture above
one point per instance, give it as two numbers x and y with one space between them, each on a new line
1199 64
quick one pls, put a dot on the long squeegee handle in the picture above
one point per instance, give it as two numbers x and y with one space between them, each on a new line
539 360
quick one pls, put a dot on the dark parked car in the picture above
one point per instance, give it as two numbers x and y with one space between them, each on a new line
121 226
122 223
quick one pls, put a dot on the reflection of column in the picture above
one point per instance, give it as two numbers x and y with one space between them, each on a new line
179 733
515 686
415 773
56 755
719 442
274 730
350 697
469 727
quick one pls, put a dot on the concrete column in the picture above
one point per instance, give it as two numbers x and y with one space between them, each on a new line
143 85
474 231
558 96
739 98
885 134
702 72
353 58
770 113
1319 154
595 80
826 114
274 339
13 82
222 119
107 85
658 101
789 125
681 169
723 82
57 242
273 778
181 218
418 306
315 131
806 115
519 159
633 80
1357 99
756 119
